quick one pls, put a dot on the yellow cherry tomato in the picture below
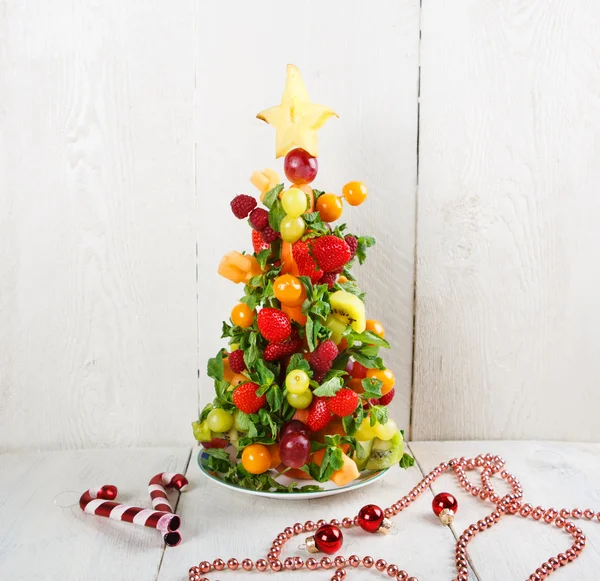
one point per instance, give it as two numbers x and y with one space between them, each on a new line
375 327
385 376
256 458
242 315
330 207
289 290
355 193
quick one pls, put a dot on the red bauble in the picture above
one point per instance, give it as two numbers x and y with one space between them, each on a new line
444 500
300 166
329 539
370 518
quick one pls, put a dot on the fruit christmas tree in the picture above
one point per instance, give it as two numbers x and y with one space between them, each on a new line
300 389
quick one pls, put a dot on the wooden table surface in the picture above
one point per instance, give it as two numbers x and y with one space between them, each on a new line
41 541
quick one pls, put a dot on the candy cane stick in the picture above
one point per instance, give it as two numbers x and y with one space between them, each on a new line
98 501
158 494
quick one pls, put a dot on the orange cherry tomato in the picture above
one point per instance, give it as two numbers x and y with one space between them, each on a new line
256 458
288 265
330 207
288 290
375 327
355 384
242 316
342 279
295 314
385 376
355 193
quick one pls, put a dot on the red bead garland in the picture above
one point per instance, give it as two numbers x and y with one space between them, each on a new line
510 504
370 518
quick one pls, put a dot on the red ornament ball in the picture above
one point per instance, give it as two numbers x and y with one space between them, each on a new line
300 166
370 518
329 539
444 500
107 492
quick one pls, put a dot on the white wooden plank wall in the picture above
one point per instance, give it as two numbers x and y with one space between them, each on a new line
508 243
126 128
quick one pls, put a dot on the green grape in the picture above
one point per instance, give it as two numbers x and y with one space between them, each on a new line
385 431
297 381
292 229
219 420
294 202
202 432
300 401
365 432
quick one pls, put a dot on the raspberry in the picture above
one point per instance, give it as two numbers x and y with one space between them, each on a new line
258 243
330 252
269 235
321 358
242 205
384 399
352 243
236 361
318 415
246 400
305 262
259 219
274 325
343 403
328 350
329 278
276 351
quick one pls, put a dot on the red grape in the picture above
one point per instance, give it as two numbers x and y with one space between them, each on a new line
300 166
215 443
359 371
294 450
292 427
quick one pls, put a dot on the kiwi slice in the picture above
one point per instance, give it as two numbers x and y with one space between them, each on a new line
348 308
337 327
365 452
386 453
202 432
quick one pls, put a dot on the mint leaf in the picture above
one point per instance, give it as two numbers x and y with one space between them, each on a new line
262 258
352 288
317 194
333 440
407 461
311 217
297 361
264 374
204 414
372 387
276 215
275 398
251 355
378 414
243 421
310 334
272 195
329 388
332 461
364 242
215 368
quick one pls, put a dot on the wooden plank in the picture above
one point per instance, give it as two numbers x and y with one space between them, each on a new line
97 234
221 523
508 244
367 70
559 475
42 541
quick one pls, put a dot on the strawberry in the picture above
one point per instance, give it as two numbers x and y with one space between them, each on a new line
242 205
276 351
246 400
274 325
318 414
384 399
236 361
258 243
343 403
305 262
330 252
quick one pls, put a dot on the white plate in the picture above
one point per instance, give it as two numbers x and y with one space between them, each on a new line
367 477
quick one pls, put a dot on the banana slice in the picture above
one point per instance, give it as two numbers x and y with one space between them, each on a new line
348 308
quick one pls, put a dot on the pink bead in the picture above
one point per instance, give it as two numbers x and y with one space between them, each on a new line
588 513
289 532
205 567
392 570
326 563
309 525
288 564
247 565
347 523
576 513
354 561
219 564
233 564
339 561
402 576
276 566
298 528
261 565
311 564
381 565
368 561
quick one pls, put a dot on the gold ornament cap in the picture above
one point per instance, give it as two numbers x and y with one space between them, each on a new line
311 546
386 527
446 516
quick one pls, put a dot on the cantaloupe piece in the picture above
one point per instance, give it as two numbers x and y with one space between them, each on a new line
227 373
275 456
311 196
230 272
347 473
301 415
288 264
295 314
254 270
237 379
239 260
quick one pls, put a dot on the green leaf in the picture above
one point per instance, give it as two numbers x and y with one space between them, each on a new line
368 361
297 361
407 461
329 388
352 288
272 195
251 355
264 374
204 414
332 461
333 440
316 446
311 217
372 387
243 420
378 414
369 338
317 194
310 335
226 330
308 284
215 367
262 258
252 300
267 420
364 242
275 398
276 215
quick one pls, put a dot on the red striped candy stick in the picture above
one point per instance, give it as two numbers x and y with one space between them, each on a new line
99 501
158 494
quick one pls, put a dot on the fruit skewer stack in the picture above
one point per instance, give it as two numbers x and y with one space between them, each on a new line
300 388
